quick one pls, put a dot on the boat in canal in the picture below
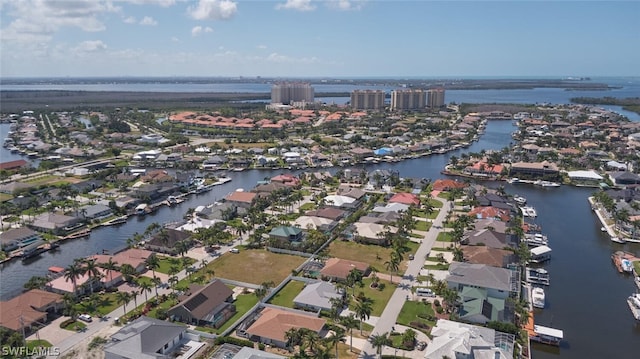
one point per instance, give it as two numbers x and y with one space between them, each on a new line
546 184
537 276
546 335
634 304
538 297
540 254
520 200
529 212
536 239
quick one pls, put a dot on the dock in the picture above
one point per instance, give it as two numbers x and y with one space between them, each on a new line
541 334
537 276
634 304
624 261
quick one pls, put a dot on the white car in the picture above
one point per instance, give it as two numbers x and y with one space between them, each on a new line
85 318
234 250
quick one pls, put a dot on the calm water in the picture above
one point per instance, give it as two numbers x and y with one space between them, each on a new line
586 298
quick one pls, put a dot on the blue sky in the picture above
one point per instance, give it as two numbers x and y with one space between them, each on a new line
308 38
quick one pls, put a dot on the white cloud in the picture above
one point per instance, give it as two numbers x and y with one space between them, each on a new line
346 5
199 30
262 47
148 21
213 10
174 39
298 5
40 19
129 20
163 3
90 46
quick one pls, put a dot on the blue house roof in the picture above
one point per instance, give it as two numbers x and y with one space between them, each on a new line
383 151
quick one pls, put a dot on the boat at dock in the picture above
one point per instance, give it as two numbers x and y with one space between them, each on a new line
536 239
537 276
116 221
520 200
634 304
540 254
546 335
617 239
529 212
623 261
538 297
546 184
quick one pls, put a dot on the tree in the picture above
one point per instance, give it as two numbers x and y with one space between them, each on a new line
127 271
350 322
337 335
152 262
35 282
393 264
123 298
145 287
363 308
293 337
72 273
378 341
409 338
354 276
110 266
264 289
92 271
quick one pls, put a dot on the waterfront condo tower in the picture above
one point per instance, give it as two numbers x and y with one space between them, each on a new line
367 99
287 93
435 98
412 99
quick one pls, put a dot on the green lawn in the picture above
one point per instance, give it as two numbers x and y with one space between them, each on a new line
422 226
255 266
5 197
444 237
636 266
416 311
286 295
380 298
167 262
153 313
436 266
75 325
435 203
38 343
105 305
243 303
368 253
307 206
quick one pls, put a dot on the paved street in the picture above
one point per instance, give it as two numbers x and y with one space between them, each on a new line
403 291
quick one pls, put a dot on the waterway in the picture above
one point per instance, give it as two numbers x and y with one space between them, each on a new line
586 298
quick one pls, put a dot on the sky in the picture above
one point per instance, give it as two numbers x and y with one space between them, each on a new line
309 38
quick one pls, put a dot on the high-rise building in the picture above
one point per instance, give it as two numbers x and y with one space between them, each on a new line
412 99
289 92
367 99
435 98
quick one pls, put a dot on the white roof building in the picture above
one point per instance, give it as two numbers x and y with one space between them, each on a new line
312 222
459 340
338 201
584 175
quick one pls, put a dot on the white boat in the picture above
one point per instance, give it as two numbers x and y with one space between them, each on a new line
538 297
537 239
626 265
617 240
142 209
603 229
546 183
520 200
529 212
537 276
513 180
634 304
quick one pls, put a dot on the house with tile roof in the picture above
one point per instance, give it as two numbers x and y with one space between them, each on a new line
409 199
334 214
287 234
455 340
317 296
494 257
30 308
241 199
499 282
210 305
490 238
135 257
271 325
447 185
337 269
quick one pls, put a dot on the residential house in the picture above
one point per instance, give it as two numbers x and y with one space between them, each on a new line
534 170
372 233
166 240
490 238
287 180
499 282
355 193
331 213
219 210
381 218
489 256
15 238
490 223
443 185
31 309
623 179
342 202
271 325
241 199
250 353
409 199
487 212
149 338
96 211
312 222
336 269
287 234
54 223
459 340
210 305
13 165
317 296
391 207
477 306
135 257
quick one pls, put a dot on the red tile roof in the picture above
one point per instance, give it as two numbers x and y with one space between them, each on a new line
405 198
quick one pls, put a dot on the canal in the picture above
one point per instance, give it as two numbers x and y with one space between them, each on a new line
586 298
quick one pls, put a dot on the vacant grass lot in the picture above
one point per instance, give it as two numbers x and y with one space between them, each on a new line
368 253
255 266
422 226
444 237
167 262
380 297
285 296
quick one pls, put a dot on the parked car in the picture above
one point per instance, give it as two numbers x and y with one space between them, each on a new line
234 250
85 318
421 345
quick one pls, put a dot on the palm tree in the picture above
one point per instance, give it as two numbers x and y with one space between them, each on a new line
111 266
72 273
337 335
293 337
310 339
264 289
92 271
378 341
127 271
123 298
145 287
152 262
393 264
156 282
363 308
350 322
